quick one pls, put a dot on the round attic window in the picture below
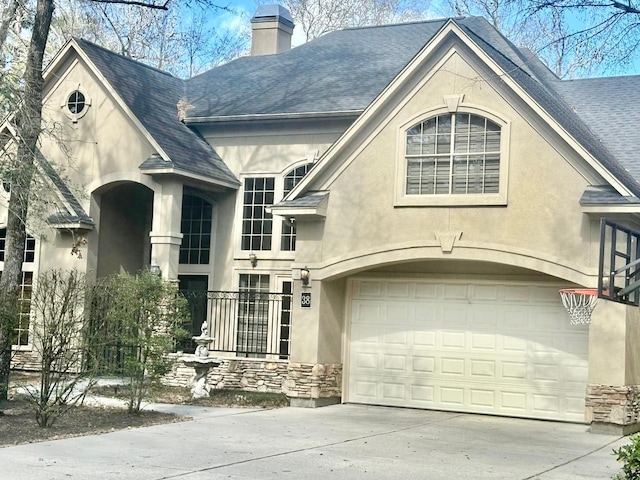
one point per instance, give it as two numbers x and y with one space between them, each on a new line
76 102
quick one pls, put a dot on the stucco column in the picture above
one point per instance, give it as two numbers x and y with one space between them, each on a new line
315 365
613 392
165 233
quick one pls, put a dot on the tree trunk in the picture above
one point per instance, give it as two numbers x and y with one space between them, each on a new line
28 128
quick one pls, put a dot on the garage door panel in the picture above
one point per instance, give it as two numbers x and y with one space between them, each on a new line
467 348
423 365
426 291
483 368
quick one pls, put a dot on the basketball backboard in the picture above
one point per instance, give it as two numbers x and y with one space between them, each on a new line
619 266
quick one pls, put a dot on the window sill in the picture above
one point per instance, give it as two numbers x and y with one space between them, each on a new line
451 200
22 348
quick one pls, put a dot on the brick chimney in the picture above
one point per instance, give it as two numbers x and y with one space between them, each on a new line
271 30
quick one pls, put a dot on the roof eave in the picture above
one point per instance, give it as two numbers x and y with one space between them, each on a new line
72 226
170 170
611 208
272 116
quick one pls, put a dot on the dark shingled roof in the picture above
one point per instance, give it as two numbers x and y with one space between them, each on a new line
340 71
611 107
344 71
308 200
605 195
74 214
153 96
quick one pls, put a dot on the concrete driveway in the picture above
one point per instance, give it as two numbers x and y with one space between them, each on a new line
341 441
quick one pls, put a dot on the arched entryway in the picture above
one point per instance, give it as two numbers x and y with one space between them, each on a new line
126 212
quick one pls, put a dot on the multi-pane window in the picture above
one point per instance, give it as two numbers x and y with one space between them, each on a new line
291 179
257 223
455 153
253 315
284 340
196 231
21 331
29 246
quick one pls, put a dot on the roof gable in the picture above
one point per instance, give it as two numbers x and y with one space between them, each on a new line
515 69
152 97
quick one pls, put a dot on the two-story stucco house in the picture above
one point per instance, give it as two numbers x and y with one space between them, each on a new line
418 194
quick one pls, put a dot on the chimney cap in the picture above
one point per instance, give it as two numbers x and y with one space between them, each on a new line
269 13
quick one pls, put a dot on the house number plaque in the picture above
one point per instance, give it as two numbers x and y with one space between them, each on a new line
305 300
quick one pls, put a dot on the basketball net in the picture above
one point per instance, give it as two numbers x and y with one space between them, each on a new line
579 302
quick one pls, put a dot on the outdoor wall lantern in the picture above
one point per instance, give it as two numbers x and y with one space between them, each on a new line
154 268
253 259
305 276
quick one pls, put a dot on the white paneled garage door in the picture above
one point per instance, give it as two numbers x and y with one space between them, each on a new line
504 349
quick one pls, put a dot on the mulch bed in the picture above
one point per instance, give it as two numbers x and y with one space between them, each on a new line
18 424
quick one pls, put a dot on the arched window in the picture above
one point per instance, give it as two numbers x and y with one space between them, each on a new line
453 154
196 230
291 179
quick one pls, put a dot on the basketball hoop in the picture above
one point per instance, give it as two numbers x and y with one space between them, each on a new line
579 302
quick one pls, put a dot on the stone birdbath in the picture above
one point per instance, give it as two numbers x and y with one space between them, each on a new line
202 363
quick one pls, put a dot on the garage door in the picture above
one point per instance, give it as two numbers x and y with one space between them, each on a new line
503 349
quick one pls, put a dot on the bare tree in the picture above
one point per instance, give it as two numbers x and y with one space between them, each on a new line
608 30
317 17
21 168
573 37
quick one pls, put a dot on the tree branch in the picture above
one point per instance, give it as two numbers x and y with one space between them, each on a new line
155 6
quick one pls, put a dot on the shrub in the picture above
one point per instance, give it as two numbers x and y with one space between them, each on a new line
60 340
145 316
629 455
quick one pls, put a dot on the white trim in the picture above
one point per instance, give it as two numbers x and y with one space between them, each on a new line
185 173
631 209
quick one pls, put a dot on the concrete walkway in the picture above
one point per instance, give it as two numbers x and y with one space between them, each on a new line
349 442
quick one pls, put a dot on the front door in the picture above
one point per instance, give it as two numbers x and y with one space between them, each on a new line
194 288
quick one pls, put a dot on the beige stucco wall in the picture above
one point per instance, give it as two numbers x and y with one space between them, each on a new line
104 146
614 358
271 150
541 227
540 234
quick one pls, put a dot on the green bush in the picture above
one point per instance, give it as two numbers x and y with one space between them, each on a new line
629 455
146 315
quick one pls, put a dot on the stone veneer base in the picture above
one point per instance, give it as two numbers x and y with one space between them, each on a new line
613 409
313 402
613 429
306 384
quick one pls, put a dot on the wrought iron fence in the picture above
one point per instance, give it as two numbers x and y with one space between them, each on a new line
245 323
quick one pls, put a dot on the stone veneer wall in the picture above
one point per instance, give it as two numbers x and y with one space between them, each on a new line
296 380
25 360
617 405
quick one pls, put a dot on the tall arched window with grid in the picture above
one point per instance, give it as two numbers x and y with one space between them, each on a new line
291 179
196 230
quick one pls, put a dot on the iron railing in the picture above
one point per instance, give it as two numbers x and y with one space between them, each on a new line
245 323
